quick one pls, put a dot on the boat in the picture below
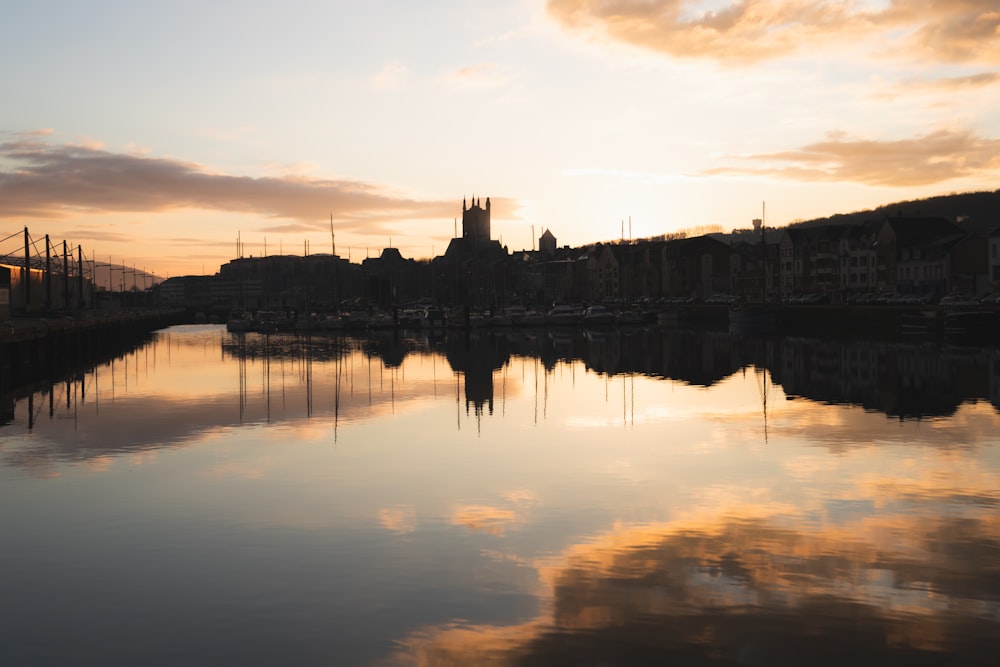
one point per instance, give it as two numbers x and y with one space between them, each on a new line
239 321
332 322
265 322
598 315
521 316
636 316
921 323
501 319
972 326
382 320
357 319
562 315
433 318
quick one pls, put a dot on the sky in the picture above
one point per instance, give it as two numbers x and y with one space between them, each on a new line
157 134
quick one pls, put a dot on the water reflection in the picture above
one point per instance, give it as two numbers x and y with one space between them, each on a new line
179 387
752 590
632 497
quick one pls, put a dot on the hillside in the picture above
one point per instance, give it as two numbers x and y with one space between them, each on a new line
981 210
973 205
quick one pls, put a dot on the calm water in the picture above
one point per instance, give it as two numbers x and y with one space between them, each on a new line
649 497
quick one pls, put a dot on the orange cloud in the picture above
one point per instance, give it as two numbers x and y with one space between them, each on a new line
752 31
944 92
751 590
55 181
484 75
923 160
483 518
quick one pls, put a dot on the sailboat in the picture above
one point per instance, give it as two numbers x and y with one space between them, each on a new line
757 317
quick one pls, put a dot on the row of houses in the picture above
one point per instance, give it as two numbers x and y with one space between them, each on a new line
907 255
930 256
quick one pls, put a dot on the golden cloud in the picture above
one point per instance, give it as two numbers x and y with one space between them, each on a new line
952 84
924 160
43 180
484 518
752 590
749 31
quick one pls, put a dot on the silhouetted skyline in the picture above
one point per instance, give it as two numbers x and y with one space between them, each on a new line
158 135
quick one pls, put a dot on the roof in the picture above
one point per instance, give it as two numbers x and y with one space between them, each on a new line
922 231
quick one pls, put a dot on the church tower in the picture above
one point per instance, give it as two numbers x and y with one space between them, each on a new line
476 221
547 243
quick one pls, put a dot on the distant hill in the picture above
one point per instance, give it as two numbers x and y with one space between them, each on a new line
979 209
973 205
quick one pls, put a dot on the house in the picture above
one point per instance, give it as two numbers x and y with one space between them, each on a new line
835 261
915 255
698 267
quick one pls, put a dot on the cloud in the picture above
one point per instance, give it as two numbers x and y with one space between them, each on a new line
390 77
923 160
42 180
954 31
943 85
477 77
750 31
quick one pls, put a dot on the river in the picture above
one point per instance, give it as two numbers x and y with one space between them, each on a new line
632 497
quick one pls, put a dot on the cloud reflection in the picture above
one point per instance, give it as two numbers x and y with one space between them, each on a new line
746 589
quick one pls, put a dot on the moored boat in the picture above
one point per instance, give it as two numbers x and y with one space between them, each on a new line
239 321
598 315
562 314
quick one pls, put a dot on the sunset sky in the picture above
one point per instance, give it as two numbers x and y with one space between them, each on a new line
154 133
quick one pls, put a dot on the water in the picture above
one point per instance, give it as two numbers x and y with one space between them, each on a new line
525 498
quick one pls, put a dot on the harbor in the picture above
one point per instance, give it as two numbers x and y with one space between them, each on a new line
375 498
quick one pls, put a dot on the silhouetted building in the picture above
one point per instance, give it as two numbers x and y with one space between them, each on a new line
472 270
476 221
915 254
547 243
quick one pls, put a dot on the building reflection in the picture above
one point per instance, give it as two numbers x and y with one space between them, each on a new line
477 359
899 380
287 377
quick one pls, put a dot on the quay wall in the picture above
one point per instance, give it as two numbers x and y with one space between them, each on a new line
873 320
